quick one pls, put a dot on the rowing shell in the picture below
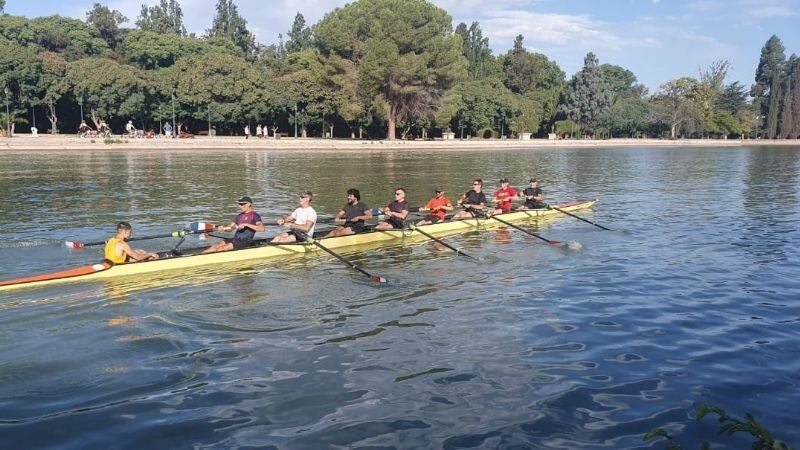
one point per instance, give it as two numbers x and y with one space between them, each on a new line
267 251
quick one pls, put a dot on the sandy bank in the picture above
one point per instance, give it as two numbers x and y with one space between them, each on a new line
200 143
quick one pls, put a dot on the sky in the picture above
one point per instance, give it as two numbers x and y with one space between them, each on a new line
658 40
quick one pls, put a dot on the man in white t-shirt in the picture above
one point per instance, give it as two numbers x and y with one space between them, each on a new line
300 223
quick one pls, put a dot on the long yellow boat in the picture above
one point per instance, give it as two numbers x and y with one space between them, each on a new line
263 250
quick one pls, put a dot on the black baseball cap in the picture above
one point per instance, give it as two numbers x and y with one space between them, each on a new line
534 180
245 199
438 189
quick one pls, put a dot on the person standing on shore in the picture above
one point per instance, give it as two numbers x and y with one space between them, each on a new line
118 251
438 207
300 222
396 212
246 224
168 129
354 214
247 131
534 199
473 201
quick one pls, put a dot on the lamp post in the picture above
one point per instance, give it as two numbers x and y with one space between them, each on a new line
295 120
8 114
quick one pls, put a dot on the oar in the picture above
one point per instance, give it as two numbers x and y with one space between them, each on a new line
538 236
438 241
577 217
375 278
195 228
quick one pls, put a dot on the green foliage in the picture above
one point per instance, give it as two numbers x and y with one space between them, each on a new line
674 104
485 103
300 36
108 89
70 37
476 50
768 81
229 24
107 22
164 18
405 50
588 96
150 50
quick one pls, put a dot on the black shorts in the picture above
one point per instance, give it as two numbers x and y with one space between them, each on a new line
239 244
396 222
357 227
534 205
432 218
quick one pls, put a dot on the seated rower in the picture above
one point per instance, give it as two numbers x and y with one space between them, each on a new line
438 207
300 222
246 224
503 197
534 199
353 214
396 212
474 201
119 252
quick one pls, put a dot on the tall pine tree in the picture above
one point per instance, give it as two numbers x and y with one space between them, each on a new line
588 96
164 18
300 36
229 24
766 91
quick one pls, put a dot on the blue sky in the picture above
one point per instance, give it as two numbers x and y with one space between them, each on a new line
658 40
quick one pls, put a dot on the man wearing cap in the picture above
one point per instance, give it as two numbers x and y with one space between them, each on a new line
396 212
534 199
473 201
503 197
246 224
353 214
438 207
300 222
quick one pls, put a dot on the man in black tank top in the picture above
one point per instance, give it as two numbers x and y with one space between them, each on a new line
534 199
396 212
353 214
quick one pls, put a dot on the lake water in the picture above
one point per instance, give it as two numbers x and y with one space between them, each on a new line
692 299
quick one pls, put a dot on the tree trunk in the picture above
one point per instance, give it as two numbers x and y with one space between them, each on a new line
672 130
93 114
404 133
331 131
392 123
53 119
275 132
303 132
361 132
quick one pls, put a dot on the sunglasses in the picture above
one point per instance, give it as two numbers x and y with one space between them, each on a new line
241 204
398 193
476 184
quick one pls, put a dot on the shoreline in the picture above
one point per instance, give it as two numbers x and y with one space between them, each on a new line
46 143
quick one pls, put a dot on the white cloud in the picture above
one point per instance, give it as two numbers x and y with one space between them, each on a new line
771 11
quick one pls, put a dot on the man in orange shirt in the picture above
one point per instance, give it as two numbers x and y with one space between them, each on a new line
438 206
503 197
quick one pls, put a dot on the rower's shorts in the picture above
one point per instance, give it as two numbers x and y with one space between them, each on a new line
239 244
298 235
533 205
357 227
395 222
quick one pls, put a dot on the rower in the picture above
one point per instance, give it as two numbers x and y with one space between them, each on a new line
473 201
438 207
503 197
534 199
118 251
246 224
353 214
396 212
300 222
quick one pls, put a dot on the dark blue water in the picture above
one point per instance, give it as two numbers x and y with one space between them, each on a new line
692 299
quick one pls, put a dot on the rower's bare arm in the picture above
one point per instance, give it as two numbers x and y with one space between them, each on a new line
302 227
367 214
258 227
136 255
339 216
402 214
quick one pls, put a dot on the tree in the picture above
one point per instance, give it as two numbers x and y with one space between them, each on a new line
300 36
19 72
229 24
2 5
164 18
766 91
587 96
406 52
108 88
788 118
484 103
151 50
106 21
70 37
674 104
537 80
476 50
52 85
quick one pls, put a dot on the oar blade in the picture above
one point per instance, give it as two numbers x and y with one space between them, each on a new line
377 279
71 244
201 226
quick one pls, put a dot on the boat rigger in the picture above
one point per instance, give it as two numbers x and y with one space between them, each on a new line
263 250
